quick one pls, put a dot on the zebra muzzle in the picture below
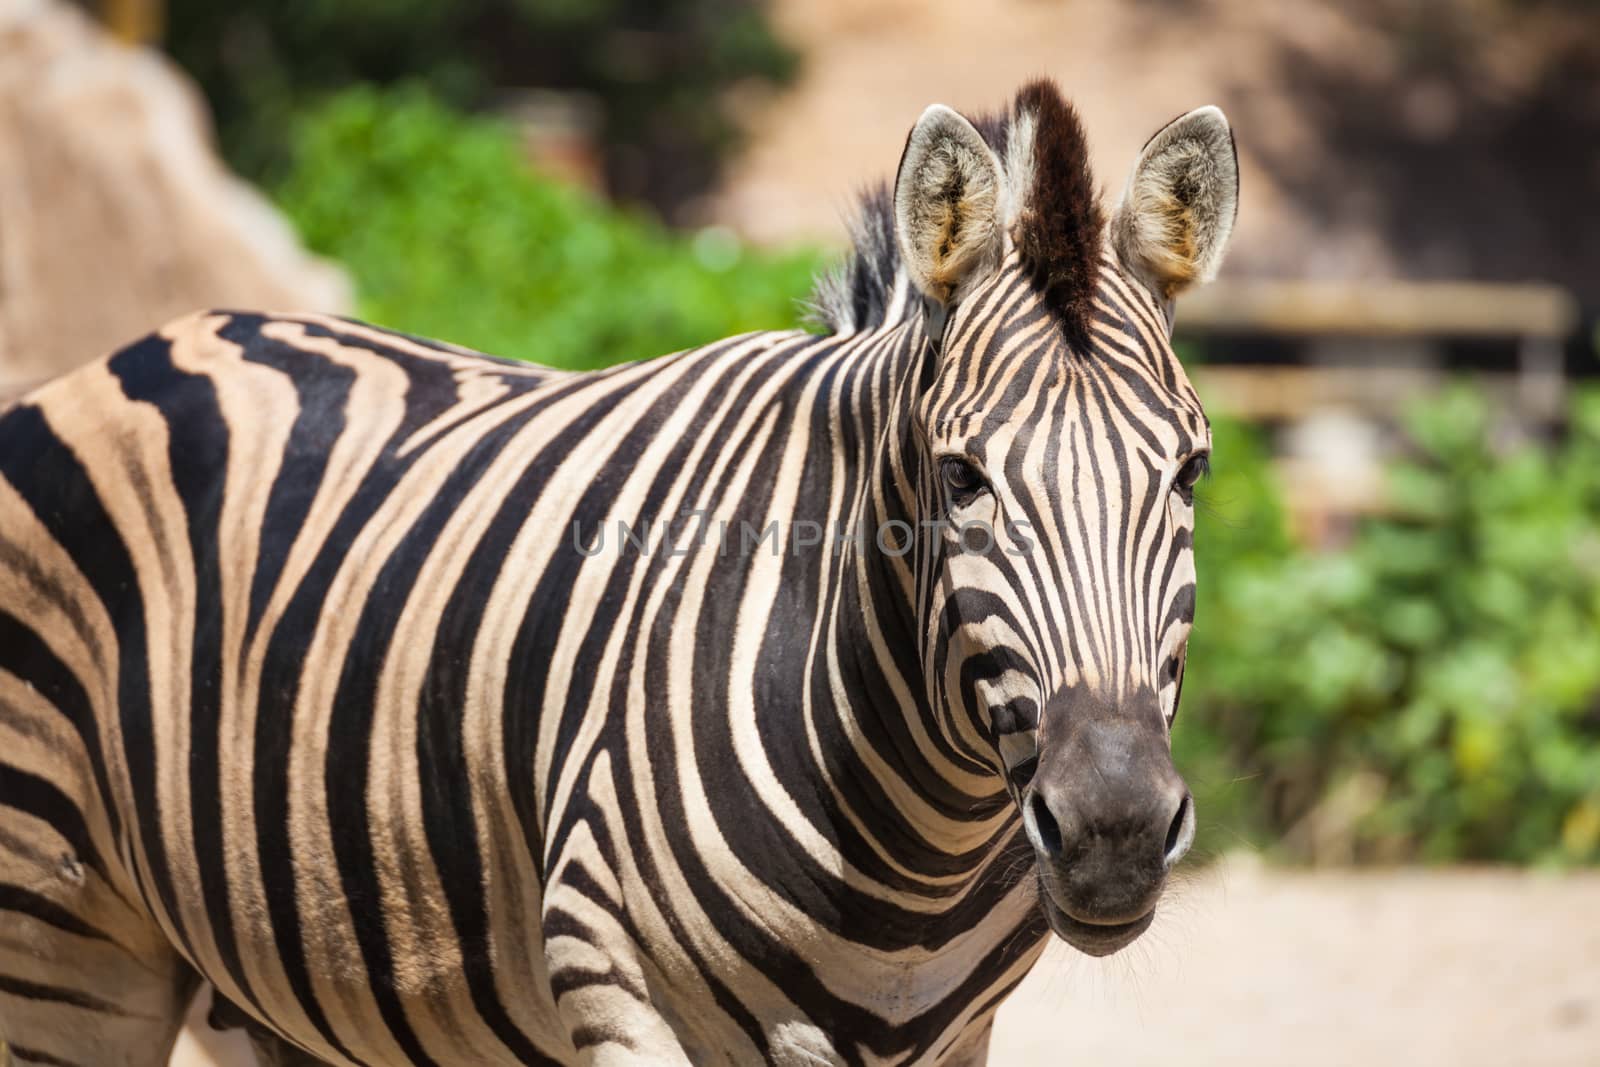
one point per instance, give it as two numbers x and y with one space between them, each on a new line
1109 817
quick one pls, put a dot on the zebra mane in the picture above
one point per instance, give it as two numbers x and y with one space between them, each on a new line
855 294
1055 218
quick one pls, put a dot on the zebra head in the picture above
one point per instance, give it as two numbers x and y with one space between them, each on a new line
1057 442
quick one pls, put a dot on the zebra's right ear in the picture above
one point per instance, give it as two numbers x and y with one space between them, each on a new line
1178 208
948 198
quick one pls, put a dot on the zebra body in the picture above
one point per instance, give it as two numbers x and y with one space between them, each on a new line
442 709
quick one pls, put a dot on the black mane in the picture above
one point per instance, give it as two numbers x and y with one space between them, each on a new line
1057 232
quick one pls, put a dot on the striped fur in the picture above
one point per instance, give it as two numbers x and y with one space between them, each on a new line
326 679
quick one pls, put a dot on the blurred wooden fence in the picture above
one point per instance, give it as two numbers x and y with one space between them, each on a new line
1344 359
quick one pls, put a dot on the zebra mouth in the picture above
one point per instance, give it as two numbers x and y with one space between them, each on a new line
1093 939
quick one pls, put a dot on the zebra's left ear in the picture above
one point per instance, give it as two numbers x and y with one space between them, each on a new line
1177 211
948 198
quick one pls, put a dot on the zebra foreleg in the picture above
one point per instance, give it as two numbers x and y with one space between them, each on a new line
601 993
609 1019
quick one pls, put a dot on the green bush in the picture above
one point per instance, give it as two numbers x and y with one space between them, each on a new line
660 71
448 233
1433 690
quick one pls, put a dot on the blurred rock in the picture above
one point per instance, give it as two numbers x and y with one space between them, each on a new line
115 213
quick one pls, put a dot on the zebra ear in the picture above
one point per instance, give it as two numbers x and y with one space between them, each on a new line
948 198
1179 205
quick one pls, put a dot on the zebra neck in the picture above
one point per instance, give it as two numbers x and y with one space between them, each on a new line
933 807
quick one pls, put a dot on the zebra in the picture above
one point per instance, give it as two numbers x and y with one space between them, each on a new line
338 673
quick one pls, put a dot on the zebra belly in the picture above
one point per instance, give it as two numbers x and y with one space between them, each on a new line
408 988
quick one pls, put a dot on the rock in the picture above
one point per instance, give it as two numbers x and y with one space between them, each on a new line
115 213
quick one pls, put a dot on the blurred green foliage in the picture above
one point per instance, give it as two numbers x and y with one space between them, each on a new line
1433 690
659 69
448 233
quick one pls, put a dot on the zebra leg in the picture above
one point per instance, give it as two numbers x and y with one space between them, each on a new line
600 988
87 977
608 1022
76 989
270 1050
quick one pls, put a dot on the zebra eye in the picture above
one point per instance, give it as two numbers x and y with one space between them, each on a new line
962 479
1194 468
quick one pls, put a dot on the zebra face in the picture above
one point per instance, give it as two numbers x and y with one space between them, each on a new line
1063 475
1061 442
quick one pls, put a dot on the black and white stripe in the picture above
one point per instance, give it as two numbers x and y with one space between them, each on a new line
327 679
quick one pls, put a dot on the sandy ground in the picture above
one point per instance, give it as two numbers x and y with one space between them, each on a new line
1245 966
1248 967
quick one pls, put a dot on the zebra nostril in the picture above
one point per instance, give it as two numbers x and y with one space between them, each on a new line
1045 825
1181 833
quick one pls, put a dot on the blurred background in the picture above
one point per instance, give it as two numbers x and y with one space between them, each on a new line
1391 716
